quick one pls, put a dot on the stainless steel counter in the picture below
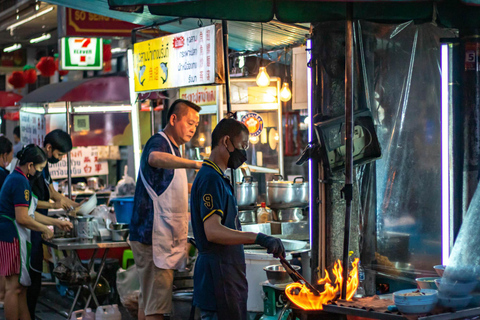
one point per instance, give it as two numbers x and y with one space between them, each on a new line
91 244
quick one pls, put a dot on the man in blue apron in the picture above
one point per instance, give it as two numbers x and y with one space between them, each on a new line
220 284
57 144
159 226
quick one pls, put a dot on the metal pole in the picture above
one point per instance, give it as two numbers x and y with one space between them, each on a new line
348 189
69 165
226 63
314 168
152 116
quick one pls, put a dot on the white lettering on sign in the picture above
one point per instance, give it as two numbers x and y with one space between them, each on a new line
84 163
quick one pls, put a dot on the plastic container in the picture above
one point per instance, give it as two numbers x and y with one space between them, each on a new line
88 315
361 279
123 209
109 312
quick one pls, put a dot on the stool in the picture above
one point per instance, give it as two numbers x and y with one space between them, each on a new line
127 259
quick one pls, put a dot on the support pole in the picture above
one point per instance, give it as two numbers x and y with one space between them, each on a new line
68 105
348 189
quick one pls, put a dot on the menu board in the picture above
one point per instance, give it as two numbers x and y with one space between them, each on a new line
32 128
183 59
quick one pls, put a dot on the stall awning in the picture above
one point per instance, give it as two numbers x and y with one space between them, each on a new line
9 99
450 13
112 89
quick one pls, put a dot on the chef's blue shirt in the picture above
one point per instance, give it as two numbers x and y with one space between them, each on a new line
212 194
15 192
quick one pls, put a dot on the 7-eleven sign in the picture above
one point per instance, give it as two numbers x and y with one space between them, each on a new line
82 53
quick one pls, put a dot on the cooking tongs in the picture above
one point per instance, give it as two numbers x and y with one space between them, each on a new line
297 277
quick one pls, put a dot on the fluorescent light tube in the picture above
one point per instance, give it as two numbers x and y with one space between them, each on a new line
16 46
116 50
34 16
43 37
445 153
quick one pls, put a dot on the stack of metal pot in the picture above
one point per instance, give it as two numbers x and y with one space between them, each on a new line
288 199
246 193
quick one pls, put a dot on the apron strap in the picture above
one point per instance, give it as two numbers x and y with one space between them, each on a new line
150 191
153 195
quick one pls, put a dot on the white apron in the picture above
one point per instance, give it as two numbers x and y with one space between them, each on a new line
25 245
170 220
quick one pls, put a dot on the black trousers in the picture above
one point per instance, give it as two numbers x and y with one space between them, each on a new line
33 292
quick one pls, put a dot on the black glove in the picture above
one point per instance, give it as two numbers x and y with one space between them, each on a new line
273 245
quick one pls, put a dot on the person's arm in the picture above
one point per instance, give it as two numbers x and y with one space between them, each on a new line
61 200
64 225
48 205
166 160
218 233
22 217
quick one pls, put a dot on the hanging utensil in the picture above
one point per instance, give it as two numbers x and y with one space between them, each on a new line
297 277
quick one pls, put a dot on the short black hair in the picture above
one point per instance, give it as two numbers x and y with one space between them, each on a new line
59 140
31 153
176 108
5 145
227 127
16 131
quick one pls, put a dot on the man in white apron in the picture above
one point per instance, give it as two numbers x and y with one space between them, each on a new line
159 226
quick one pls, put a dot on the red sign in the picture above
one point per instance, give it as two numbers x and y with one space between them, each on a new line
178 42
81 23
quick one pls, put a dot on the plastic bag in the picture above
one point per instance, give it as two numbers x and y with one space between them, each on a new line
128 287
71 271
126 185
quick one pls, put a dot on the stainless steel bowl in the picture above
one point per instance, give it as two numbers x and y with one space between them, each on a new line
277 274
119 235
119 226
288 215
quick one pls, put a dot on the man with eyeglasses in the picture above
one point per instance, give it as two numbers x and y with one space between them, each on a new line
220 283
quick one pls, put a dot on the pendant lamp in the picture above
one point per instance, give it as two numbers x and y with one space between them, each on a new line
263 79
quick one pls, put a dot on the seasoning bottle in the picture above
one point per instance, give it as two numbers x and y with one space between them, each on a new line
263 215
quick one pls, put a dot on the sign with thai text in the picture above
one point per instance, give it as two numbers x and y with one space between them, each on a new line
84 163
178 60
32 128
82 53
201 95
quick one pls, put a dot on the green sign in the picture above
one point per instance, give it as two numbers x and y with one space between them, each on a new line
82 53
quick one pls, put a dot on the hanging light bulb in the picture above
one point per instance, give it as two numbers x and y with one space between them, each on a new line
263 79
285 93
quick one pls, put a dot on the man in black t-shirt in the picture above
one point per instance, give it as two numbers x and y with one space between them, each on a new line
56 145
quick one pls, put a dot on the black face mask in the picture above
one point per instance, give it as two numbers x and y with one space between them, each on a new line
237 158
53 160
37 175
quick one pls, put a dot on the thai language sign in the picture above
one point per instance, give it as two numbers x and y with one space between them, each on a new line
81 23
178 60
32 128
82 53
201 95
84 163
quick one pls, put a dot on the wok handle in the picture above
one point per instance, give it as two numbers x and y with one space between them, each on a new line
297 277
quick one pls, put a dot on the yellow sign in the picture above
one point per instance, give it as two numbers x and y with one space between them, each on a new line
201 95
177 60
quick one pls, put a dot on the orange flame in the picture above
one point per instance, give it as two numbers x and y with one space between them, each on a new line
306 300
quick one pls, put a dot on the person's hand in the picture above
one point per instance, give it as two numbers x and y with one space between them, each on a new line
47 233
62 204
273 245
64 225
197 165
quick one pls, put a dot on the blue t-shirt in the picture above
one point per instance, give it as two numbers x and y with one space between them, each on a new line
159 179
3 175
15 192
212 194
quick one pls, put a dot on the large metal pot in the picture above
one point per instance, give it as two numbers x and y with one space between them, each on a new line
83 227
246 192
287 193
